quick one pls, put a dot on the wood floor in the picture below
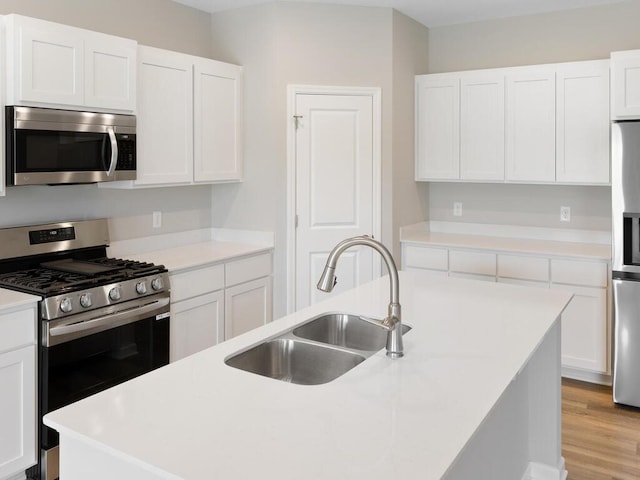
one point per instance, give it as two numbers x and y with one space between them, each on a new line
600 440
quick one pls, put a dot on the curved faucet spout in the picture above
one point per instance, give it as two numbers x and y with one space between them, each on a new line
393 321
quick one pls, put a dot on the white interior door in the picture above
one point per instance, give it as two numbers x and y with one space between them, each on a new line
335 189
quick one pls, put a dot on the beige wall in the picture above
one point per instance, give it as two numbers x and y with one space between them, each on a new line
286 43
160 23
410 58
581 34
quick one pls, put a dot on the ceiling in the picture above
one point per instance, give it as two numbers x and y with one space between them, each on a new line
432 13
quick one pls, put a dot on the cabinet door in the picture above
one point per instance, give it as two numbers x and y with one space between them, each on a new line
530 128
482 127
582 130
48 61
217 121
625 84
437 127
110 72
584 329
164 117
17 411
247 306
196 324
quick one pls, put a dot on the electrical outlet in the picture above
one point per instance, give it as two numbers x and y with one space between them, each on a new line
565 214
457 209
157 219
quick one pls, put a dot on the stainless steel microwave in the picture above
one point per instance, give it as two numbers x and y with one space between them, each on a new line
49 147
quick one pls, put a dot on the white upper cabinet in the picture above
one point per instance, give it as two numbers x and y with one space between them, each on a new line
217 121
530 129
437 127
66 67
165 117
533 124
625 85
482 126
189 120
110 72
582 136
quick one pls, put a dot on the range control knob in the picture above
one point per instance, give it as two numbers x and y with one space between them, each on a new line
65 305
115 294
141 288
85 300
157 284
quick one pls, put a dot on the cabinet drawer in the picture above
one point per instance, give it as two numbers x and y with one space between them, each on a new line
426 257
196 282
472 262
17 329
247 269
577 272
474 276
523 267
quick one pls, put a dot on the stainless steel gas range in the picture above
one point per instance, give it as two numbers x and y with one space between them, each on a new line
102 320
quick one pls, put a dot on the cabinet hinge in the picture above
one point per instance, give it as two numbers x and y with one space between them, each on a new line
295 221
297 118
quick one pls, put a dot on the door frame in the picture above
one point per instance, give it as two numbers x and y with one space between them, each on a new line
376 96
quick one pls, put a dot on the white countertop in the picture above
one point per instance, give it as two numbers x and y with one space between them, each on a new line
385 419
422 236
10 299
199 254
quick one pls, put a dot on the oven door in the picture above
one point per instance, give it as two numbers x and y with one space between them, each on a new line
47 146
81 357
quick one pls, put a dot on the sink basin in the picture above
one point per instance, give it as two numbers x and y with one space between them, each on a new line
345 330
296 361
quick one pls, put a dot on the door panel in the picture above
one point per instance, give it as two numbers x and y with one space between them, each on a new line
482 127
531 127
334 189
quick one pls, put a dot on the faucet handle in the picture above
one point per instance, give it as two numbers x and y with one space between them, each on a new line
387 324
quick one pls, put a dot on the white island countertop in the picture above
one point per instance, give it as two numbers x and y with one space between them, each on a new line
385 419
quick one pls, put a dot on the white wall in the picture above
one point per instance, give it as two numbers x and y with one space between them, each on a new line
160 23
581 34
522 205
285 43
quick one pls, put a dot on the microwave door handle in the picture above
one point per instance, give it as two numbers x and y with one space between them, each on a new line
114 151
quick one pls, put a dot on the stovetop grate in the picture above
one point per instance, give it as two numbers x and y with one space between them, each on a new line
52 281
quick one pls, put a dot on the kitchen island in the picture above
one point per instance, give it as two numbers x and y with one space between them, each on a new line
477 395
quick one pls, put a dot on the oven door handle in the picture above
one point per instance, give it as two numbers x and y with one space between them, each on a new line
112 320
114 151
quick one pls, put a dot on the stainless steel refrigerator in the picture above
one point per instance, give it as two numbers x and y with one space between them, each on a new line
625 189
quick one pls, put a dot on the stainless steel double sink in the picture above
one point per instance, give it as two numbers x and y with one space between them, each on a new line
315 352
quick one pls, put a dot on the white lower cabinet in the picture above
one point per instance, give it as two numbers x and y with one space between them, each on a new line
213 303
584 329
247 306
17 410
586 320
17 391
196 324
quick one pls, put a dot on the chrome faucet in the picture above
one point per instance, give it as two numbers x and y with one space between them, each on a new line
392 324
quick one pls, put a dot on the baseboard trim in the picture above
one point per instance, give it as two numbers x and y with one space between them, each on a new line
541 471
585 376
